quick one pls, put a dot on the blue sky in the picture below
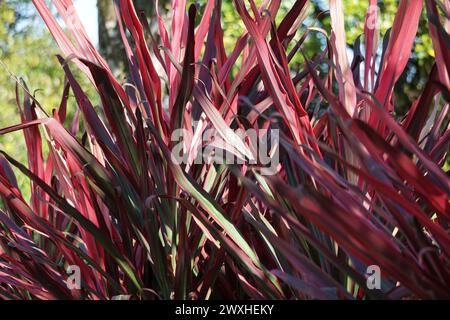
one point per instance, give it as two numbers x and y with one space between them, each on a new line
87 10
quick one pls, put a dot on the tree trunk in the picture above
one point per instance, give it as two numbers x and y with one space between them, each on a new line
110 42
109 39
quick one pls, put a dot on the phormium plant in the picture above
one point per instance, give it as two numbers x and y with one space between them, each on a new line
355 186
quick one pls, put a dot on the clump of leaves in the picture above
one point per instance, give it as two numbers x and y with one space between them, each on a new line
355 186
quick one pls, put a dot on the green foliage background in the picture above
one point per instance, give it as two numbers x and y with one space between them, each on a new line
27 51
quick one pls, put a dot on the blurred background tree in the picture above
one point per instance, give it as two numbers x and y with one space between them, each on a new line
109 39
28 51
421 60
